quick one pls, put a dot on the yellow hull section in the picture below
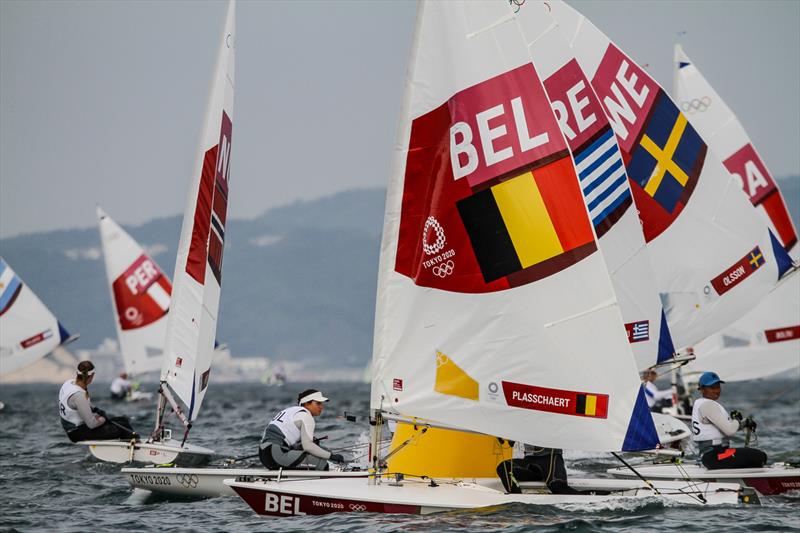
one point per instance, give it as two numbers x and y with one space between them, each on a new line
446 453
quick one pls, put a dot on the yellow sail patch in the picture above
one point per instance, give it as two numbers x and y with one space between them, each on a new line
452 380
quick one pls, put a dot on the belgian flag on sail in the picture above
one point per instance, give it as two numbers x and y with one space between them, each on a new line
528 226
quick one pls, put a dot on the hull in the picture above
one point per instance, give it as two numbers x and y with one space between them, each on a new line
774 479
116 451
290 498
669 428
209 482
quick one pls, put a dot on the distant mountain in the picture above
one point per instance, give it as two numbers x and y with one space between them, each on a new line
298 282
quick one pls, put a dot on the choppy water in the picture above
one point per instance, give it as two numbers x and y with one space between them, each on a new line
47 483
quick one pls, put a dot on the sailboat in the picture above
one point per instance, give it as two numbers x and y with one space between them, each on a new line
140 295
686 198
192 320
28 329
495 314
726 136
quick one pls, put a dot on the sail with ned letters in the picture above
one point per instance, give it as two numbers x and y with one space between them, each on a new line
192 320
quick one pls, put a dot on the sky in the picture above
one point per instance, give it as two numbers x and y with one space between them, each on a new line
102 103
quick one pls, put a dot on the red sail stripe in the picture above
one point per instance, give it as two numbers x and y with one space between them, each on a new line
198 249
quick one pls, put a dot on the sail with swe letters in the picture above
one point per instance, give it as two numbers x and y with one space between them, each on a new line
726 136
192 322
604 183
700 230
495 310
28 329
140 295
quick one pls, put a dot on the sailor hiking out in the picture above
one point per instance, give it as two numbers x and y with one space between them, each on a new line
80 419
656 398
712 427
288 440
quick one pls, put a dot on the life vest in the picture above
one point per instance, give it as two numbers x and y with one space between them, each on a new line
702 428
284 421
70 418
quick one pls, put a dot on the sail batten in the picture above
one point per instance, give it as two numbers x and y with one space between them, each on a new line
191 327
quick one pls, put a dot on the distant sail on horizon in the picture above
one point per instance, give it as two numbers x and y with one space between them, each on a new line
28 329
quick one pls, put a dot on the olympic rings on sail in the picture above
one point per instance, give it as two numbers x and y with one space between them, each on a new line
696 105
436 247
445 269
357 507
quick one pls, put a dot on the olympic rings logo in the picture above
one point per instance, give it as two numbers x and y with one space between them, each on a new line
358 507
189 481
133 316
444 270
436 247
696 105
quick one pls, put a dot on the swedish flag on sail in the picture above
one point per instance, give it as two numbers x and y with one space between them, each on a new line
668 158
603 178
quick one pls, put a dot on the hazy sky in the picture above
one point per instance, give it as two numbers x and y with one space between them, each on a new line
102 102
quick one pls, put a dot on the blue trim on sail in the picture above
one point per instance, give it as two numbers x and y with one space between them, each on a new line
191 404
63 333
682 64
666 348
781 255
641 433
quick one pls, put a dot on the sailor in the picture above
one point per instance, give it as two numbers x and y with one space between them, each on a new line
712 427
80 419
288 440
655 397
538 464
121 387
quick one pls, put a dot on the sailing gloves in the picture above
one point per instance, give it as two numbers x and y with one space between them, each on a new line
736 415
750 424
336 458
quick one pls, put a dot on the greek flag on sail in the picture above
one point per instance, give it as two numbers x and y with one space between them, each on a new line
602 177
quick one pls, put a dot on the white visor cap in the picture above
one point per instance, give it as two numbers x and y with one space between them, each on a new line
313 397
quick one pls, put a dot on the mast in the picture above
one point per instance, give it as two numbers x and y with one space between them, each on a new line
192 321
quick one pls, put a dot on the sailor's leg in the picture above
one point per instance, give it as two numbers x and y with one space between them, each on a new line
505 471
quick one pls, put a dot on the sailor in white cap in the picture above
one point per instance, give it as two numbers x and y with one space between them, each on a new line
712 427
288 440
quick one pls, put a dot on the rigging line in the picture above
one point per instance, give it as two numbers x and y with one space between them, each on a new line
624 462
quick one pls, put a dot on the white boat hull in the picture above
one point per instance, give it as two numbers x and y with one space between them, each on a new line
773 479
669 428
209 482
168 451
314 497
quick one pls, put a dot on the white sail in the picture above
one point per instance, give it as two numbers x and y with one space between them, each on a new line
604 183
713 255
140 295
764 342
495 310
725 135
192 321
28 330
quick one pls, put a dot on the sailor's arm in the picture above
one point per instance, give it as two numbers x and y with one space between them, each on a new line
306 424
717 416
80 403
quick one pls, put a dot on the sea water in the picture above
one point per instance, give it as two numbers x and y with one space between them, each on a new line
47 483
